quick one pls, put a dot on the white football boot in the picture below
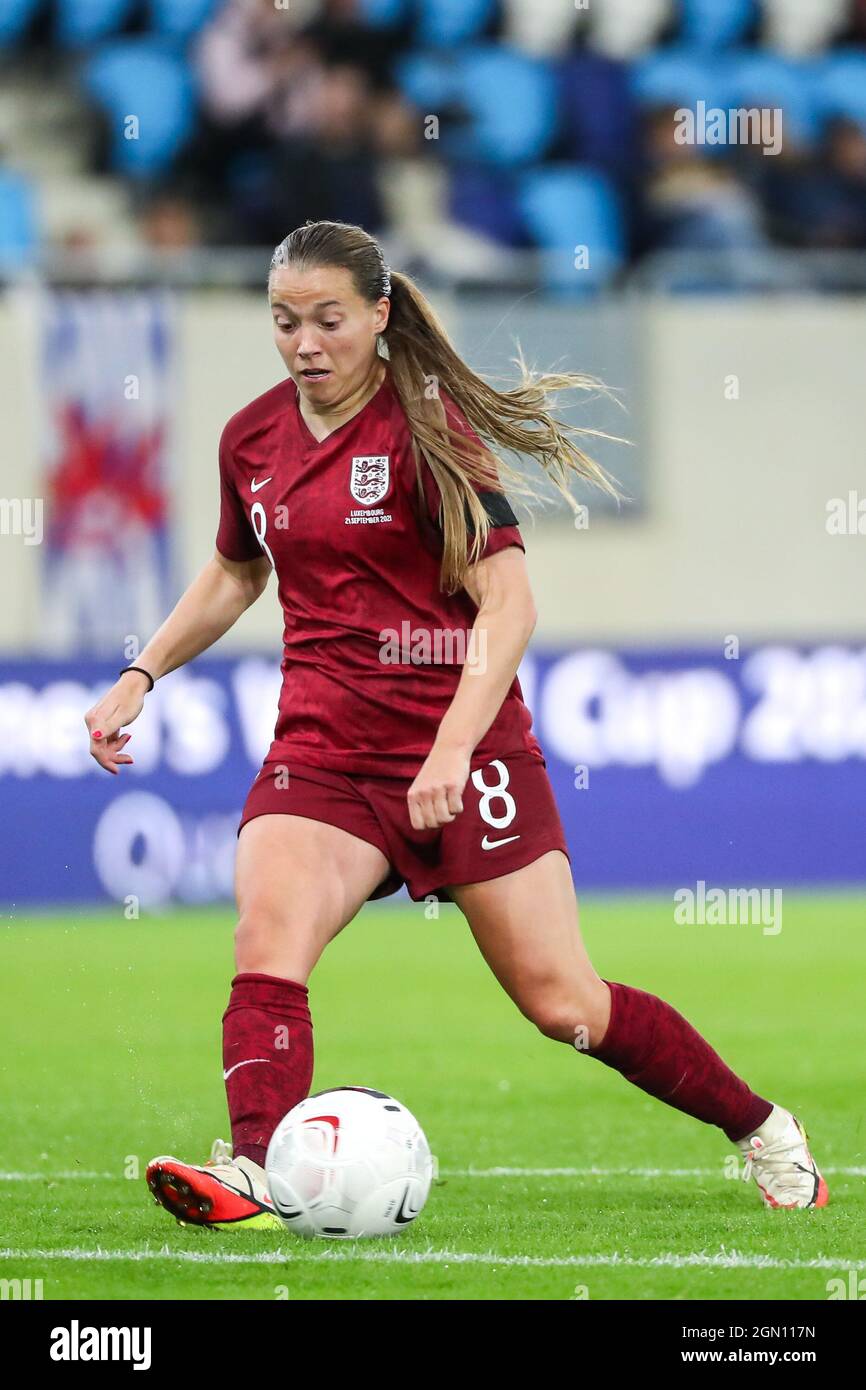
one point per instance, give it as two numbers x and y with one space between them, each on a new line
777 1156
223 1194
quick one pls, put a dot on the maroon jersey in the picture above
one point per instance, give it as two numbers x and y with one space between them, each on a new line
373 647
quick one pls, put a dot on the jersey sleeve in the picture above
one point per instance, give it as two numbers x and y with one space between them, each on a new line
504 530
235 539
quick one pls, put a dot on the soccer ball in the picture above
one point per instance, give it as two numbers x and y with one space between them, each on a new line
348 1162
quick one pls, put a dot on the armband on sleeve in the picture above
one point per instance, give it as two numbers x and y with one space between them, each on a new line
497 507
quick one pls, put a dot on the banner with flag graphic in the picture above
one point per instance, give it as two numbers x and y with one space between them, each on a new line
107 375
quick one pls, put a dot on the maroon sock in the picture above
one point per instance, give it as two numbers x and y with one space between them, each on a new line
267 1057
658 1050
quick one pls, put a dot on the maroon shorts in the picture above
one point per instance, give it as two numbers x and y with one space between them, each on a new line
509 819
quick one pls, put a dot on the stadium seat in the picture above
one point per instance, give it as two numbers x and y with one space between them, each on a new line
803 27
767 79
541 27
596 110
18 232
382 14
179 18
143 77
512 103
841 85
625 29
427 80
443 23
15 15
483 200
716 23
679 77
565 208
87 21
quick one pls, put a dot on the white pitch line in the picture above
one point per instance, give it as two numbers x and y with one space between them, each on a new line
731 1259
854 1172
62 1175
66 1175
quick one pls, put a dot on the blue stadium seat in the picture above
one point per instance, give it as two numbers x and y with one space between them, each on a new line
18 230
679 76
841 86
381 14
86 21
179 18
512 102
597 114
767 79
429 81
144 78
443 23
15 15
566 207
485 201
715 23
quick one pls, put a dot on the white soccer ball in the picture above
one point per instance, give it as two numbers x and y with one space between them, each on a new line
348 1162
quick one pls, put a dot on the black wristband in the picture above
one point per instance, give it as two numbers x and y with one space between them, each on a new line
141 672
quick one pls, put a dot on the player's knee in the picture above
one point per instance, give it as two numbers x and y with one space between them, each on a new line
556 1019
577 1017
261 936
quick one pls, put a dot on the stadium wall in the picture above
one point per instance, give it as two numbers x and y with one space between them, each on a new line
747 417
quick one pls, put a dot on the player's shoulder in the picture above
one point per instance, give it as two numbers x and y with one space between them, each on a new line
260 414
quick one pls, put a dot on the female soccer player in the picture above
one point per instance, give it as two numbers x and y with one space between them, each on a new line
403 750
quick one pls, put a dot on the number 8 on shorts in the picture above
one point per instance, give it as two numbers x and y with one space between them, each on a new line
494 791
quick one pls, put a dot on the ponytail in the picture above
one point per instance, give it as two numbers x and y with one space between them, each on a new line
424 363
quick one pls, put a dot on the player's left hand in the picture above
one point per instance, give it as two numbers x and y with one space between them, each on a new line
436 795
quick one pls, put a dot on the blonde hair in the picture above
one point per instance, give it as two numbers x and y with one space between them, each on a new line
423 362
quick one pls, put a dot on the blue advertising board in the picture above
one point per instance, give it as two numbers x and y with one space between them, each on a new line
669 768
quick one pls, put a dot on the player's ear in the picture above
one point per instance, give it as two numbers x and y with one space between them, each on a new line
383 313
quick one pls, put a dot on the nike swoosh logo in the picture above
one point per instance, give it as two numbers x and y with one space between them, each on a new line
263 1201
250 1192
405 1212
248 1063
492 844
814 1175
254 486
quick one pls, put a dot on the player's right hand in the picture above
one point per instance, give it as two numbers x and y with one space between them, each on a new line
122 703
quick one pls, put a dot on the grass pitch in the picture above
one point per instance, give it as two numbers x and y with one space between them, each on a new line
558 1180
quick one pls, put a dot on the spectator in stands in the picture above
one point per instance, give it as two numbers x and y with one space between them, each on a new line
297 105
257 68
819 202
694 200
169 222
856 30
342 37
260 65
845 180
327 172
